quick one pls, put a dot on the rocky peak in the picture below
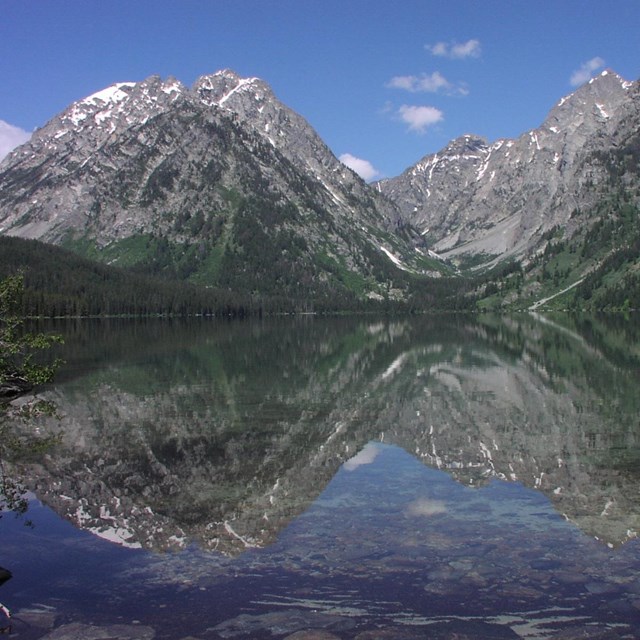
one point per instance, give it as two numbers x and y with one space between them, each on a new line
217 88
499 199
466 146
254 103
157 159
608 87
594 104
124 101
465 150
87 124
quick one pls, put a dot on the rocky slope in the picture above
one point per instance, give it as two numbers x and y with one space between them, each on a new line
222 177
224 185
498 199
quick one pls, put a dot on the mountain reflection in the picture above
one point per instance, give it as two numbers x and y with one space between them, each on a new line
220 433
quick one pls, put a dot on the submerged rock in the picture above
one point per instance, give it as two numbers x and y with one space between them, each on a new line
78 631
312 634
281 622
5 574
38 618
587 632
449 630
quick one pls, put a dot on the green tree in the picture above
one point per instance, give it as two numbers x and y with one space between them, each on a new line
20 373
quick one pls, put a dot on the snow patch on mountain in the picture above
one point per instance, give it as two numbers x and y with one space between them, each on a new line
394 259
245 82
105 99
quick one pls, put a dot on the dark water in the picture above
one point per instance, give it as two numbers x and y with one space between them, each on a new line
434 477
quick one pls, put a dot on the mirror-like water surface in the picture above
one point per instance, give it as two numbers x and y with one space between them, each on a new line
334 478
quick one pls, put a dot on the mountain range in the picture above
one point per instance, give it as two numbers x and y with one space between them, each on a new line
498 199
223 185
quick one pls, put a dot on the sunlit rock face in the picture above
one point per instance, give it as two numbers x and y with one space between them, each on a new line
198 167
132 157
498 198
157 158
220 437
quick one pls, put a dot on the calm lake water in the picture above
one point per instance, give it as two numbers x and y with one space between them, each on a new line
356 478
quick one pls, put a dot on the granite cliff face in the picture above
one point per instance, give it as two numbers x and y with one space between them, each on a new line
153 136
498 199
224 185
221 169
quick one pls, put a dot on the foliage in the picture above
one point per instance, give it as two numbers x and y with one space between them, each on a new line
20 372
252 274
59 283
602 258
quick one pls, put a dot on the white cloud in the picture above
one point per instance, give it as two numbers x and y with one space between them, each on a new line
362 167
584 73
419 118
11 137
427 83
469 49
455 50
439 49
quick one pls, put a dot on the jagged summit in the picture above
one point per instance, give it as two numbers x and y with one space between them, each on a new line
499 199
601 96
122 97
240 188
217 88
467 143
144 158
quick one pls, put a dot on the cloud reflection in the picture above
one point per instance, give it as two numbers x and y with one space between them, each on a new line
365 456
426 507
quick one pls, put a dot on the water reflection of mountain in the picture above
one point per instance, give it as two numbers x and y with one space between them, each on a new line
220 433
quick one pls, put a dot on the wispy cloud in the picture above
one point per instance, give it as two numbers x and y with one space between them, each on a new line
362 167
456 50
427 83
586 70
430 83
420 118
11 137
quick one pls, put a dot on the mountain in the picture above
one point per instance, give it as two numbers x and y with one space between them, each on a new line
479 202
220 184
223 185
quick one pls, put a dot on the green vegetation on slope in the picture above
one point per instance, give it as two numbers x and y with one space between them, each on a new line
58 282
593 263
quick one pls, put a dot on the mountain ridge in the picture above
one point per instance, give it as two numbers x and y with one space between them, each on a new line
499 198
223 172
224 185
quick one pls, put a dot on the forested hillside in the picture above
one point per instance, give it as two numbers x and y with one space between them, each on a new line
60 283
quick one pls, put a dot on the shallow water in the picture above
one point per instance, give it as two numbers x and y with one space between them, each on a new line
442 478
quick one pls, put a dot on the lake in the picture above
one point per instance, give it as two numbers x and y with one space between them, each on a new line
321 478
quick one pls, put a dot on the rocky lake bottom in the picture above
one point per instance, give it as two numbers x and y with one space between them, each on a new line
390 549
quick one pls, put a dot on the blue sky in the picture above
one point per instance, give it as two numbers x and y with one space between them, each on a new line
385 82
